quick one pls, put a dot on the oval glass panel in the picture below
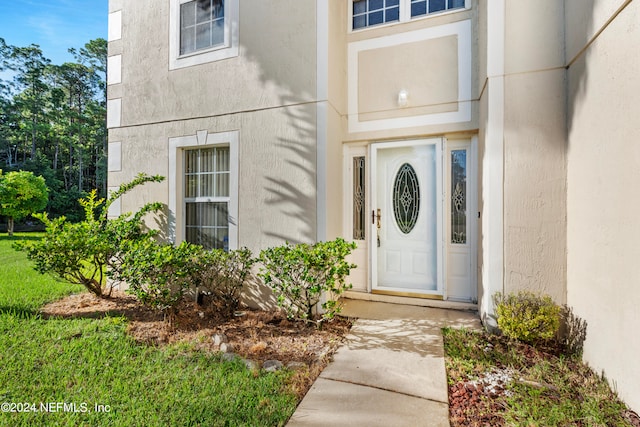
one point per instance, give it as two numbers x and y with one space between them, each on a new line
406 198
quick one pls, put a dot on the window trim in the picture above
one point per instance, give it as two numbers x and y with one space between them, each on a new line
405 15
204 199
229 49
223 45
177 207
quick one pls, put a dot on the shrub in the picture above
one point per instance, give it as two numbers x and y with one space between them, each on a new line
222 275
301 274
81 252
158 274
527 317
573 331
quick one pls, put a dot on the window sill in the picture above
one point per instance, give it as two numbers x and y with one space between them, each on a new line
217 53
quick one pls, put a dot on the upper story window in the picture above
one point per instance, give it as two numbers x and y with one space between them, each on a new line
373 12
367 13
201 25
425 7
202 31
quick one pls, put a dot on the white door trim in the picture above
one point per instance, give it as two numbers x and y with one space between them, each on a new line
453 290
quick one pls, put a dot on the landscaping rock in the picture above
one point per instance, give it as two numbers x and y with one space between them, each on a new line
294 366
272 365
226 347
219 339
229 356
251 364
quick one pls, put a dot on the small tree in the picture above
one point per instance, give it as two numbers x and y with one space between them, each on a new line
21 194
81 252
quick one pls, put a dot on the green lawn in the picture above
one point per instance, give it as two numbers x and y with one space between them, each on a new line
89 362
545 389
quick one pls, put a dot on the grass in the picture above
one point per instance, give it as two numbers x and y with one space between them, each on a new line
22 290
548 388
88 362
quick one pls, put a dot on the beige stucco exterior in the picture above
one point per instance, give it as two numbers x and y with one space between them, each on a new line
266 92
541 90
603 158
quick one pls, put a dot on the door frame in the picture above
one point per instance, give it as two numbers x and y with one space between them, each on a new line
439 292
471 145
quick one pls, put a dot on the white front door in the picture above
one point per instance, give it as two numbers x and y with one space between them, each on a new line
406 230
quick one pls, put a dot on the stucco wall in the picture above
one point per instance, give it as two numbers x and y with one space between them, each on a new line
602 203
277 170
420 57
276 64
534 183
534 146
267 92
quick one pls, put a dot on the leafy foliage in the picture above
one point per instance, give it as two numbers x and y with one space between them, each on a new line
53 121
21 193
158 274
301 274
95 360
527 317
222 275
81 252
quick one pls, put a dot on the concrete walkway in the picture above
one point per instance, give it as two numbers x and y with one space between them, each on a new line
389 372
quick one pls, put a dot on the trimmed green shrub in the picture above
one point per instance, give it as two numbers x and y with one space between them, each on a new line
159 274
81 252
222 275
527 317
300 275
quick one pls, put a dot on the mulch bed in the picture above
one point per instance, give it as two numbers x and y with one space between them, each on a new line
253 334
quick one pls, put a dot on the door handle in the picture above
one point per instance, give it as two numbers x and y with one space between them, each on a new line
375 217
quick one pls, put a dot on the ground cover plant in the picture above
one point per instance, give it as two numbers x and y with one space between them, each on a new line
140 370
497 381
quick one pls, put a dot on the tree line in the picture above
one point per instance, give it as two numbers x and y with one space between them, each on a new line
53 121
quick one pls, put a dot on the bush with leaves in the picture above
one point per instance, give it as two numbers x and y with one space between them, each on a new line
81 252
222 275
300 275
159 274
527 317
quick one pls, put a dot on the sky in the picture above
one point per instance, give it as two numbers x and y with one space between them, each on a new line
54 25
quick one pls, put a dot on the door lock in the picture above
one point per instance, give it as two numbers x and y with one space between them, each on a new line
376 215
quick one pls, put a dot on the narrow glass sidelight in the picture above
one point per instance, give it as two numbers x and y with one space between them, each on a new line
406 198
359 214
459 196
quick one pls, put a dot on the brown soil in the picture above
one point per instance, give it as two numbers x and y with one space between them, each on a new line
253 334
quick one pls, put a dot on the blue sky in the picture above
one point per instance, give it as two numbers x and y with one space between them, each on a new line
55 25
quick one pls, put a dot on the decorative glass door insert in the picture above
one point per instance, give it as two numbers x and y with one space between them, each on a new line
407 217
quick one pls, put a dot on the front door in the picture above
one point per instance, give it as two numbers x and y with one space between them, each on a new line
406 217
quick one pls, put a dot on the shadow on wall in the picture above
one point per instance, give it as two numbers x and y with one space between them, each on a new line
256 294
164 227
292 71
291 200
579 30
